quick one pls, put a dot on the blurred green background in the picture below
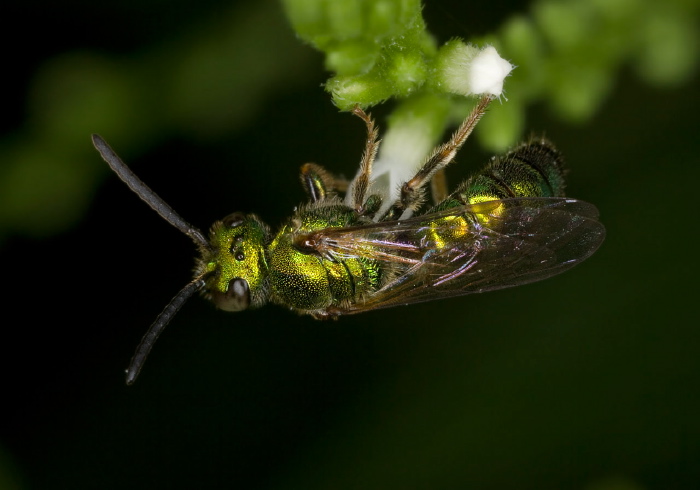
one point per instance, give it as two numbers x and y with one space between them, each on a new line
586 381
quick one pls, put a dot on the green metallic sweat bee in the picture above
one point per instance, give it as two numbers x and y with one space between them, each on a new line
505 226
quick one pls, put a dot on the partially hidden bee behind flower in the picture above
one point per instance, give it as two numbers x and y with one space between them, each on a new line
509 224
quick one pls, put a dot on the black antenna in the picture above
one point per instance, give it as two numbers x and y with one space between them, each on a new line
169 215
146 194
158 326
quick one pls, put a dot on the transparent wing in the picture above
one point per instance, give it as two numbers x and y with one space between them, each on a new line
469 249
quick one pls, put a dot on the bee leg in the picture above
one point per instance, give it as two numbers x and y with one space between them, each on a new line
412 191
319 183
438 186
360 184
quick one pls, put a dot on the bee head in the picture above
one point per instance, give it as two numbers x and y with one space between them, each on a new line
235 264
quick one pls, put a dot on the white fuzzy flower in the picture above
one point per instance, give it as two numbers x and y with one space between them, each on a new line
467 70
487 72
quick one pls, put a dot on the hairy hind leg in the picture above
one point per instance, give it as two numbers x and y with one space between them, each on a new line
360 184
412 191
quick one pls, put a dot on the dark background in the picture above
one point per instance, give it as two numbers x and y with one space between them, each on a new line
585 381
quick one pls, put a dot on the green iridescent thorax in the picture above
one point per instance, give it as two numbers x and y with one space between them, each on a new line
237 252
307 282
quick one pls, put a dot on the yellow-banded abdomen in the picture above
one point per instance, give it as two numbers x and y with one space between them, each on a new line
532 169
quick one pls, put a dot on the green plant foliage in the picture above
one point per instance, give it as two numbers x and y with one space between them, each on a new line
568 54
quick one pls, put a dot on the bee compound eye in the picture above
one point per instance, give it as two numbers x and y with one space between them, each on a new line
234 220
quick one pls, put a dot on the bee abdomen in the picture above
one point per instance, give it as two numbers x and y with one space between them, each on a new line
533 169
